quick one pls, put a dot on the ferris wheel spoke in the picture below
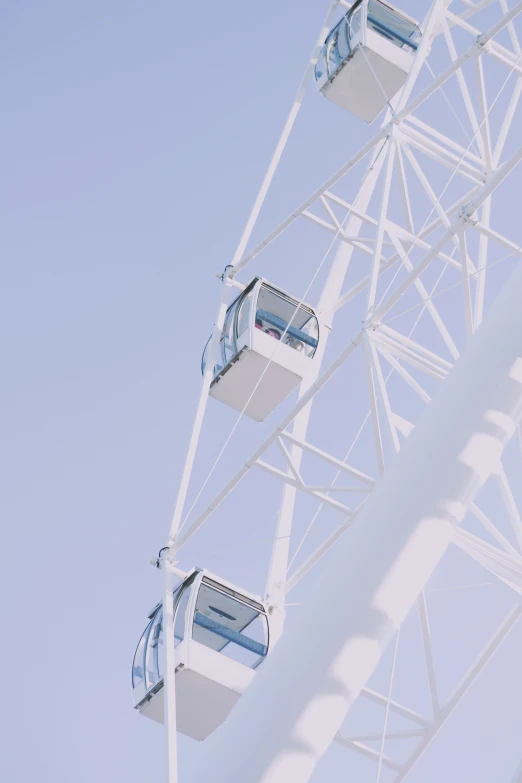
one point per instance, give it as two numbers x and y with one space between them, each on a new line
504 566
282 141
430 307
428 653
451 212
366 750
511 28
508 119
424 358
410 137
383 394
492 529
511 506
466 286
484 116
481 264
311 561
347 167
383 210
503 55
462 688
472 156
406 227
404 374
404 426
402 231
466 97
475 7
476 50
490 233
372 395
435 200
462 222
441 712
405 194
406 355
389 735
387 708
330 541
446 146
289 459
387 263
496 50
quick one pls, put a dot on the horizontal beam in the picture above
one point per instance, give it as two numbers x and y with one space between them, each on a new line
370 753
303 401
293 482
397 708
337 463
461 223
463 687
476 50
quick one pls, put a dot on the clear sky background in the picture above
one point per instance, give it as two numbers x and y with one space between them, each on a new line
134 136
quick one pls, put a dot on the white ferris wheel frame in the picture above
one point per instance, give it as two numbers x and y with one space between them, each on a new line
400 136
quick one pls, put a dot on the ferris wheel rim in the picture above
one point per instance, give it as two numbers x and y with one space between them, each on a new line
242 258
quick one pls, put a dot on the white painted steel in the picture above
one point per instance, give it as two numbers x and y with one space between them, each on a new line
275 590
207 376
276 586
406 137
382 565
170 684
167 707
281 143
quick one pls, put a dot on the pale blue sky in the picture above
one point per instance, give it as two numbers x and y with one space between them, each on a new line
134 139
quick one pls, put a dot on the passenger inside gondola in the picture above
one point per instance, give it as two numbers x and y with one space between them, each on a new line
281 318
248 373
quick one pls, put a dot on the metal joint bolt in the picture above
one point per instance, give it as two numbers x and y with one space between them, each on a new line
466 211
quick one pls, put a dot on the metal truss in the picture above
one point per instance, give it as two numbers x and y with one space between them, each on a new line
395 241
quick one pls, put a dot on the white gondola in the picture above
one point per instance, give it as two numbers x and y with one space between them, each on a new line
221 636
253 370
366 57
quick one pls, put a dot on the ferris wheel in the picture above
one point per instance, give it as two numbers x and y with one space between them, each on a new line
402 544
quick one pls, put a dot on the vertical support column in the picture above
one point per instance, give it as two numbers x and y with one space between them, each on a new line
276 580
169 695
300 697
275 586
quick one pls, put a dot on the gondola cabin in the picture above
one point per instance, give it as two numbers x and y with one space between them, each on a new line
267 347
366 58
220 636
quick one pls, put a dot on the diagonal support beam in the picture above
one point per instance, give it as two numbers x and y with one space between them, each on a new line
316 678
304 488
462 222
428 654
476 50
370 753
463 687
